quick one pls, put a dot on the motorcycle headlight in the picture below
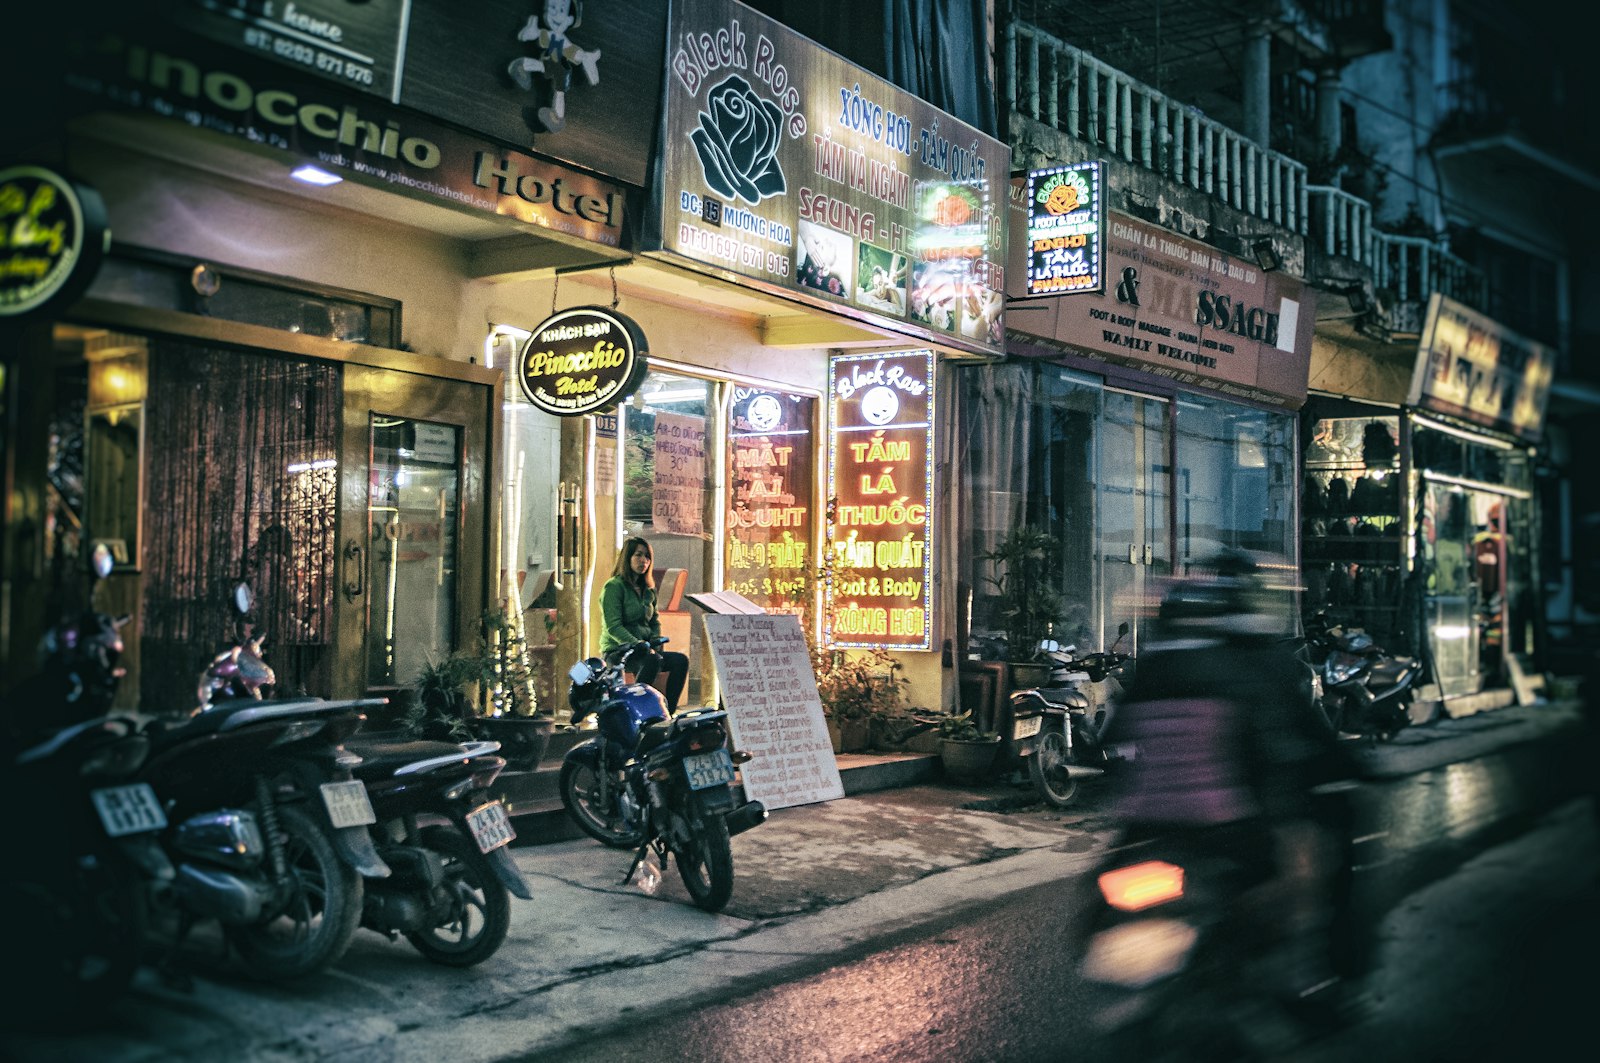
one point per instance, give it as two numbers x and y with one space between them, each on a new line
1341 671
1133 955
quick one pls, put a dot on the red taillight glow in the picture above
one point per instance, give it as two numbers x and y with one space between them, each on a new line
1141 886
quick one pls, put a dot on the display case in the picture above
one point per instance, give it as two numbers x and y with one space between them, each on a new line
1353 535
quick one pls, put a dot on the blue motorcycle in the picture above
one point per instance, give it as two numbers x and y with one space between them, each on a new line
650 781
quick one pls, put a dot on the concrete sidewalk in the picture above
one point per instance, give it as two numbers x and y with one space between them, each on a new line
814 882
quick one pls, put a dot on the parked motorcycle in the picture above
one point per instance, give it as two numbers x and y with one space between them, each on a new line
1365 691
658 784
441 836
445 839
268 824
1056 729
74 882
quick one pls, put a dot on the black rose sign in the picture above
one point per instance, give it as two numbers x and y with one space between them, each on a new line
738 142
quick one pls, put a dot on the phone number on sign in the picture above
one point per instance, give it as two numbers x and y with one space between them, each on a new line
307 55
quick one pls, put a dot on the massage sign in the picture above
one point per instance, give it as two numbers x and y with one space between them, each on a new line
582 360
796 171
880 480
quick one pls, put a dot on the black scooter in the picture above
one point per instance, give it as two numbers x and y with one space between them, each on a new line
446 839
1056 729
75 873
1365 691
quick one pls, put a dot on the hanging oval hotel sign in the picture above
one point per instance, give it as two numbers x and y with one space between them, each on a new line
582 360
52 236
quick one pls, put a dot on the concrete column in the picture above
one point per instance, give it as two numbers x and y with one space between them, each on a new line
1329 91
1258 86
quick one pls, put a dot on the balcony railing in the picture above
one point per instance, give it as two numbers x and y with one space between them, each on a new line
1068 89
1071 91
1412 267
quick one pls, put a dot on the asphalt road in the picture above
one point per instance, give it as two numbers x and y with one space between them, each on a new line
1478 878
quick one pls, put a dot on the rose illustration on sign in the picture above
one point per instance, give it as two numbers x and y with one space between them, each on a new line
738 142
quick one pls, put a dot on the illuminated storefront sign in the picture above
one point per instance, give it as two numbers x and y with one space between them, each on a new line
1177 308
1474 367
52 237
581 361
1066 230
791 168
880 483
769 518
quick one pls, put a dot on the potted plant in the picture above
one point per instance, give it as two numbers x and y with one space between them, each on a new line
967 751
1026 562
486 695
855 688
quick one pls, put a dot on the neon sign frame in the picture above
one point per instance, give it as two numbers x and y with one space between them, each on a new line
1066 229
881 411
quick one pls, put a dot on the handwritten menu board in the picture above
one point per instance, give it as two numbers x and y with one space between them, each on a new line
771 695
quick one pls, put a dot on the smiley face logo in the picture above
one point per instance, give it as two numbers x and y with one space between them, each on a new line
765 413
879 405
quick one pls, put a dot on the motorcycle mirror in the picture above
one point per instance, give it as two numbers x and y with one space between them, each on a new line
102 561
579 673
243 597
1122 629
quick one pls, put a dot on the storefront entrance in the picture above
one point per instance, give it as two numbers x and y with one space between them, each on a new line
412 566
350 495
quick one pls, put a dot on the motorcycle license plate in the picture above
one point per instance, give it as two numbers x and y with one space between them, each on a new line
490 826
130 809
1027 727
347 803
709 769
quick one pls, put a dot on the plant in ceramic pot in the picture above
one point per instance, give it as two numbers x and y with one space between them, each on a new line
486 695
967 751
855 687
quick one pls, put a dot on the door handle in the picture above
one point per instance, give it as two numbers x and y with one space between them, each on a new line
354 558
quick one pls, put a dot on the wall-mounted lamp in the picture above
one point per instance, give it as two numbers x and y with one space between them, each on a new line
314 175
1360 301
1267 256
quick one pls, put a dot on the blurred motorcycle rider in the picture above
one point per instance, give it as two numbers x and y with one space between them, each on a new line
1227 749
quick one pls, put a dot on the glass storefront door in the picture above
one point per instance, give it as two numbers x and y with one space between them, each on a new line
413 546
1135 521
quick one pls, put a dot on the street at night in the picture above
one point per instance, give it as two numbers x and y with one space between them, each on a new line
910 924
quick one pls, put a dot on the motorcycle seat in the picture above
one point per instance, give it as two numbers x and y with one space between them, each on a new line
1389 672
1067 698
381 756
654 733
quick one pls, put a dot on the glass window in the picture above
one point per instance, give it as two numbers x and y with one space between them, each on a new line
1233 481
413 520
1030 457
769 517
667 478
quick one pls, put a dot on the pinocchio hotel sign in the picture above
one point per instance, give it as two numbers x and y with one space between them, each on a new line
582 360
880 481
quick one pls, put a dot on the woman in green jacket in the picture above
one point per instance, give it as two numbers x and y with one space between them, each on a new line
628 606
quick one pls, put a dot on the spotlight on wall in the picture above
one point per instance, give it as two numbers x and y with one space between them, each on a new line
1267 256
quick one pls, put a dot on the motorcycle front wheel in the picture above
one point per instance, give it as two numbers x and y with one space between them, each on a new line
318 914
596 815
705 860
1048 768
480 909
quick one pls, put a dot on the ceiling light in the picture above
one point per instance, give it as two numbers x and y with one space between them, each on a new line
313 175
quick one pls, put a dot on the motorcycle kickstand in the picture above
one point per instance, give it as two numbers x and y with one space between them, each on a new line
638 858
